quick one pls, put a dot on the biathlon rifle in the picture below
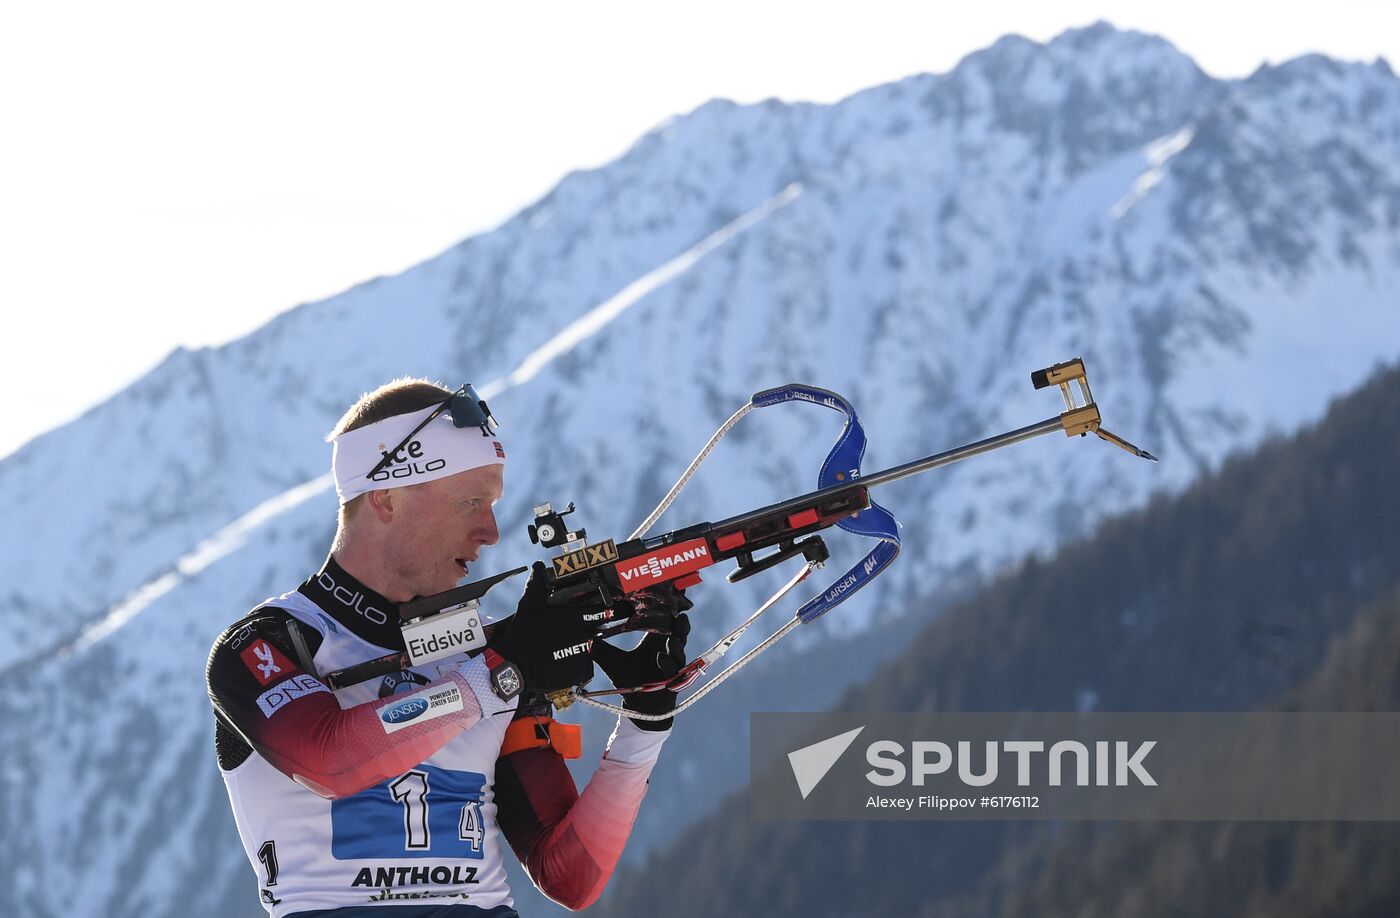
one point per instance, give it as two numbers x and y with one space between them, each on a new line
609 570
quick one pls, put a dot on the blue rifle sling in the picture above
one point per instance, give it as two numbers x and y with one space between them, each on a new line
844 460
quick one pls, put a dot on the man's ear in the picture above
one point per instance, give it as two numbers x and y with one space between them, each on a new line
381 503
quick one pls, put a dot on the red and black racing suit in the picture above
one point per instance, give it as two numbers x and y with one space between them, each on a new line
329 790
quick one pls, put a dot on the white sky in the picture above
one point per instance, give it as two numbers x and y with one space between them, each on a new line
178 173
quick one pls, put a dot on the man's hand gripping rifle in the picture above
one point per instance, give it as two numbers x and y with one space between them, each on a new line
610 576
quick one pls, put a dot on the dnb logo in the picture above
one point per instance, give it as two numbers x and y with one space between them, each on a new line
400 682
283 693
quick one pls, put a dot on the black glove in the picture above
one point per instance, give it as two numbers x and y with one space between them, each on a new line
658 657
548 644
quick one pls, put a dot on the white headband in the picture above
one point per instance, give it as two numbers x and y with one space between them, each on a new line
438 450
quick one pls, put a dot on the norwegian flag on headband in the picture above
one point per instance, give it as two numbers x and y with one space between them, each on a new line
499 450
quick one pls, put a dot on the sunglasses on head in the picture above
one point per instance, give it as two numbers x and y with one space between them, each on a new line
468 409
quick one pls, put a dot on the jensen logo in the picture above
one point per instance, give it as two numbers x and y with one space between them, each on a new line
404 711
419 707
637 573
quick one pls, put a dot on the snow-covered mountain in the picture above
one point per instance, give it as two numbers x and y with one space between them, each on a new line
1224 254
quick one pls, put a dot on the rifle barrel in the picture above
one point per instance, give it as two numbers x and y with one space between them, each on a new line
948 457
1049 425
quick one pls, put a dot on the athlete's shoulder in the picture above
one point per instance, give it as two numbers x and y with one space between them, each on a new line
254 671
266 621
251 643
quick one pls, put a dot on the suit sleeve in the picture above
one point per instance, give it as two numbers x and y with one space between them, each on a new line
294 722
568 842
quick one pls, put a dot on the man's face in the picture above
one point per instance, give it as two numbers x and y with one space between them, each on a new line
440 527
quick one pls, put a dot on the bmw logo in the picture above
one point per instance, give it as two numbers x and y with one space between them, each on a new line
400 682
